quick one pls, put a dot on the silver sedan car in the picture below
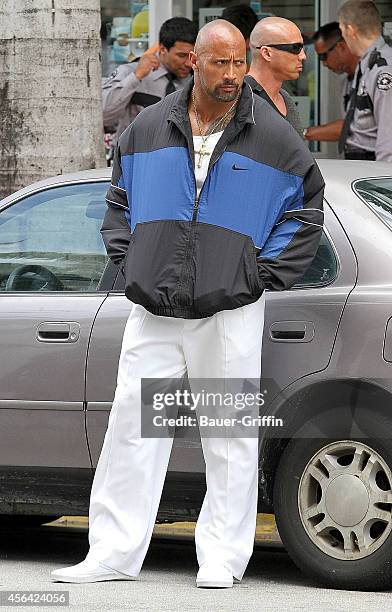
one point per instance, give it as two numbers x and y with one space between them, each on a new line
327 474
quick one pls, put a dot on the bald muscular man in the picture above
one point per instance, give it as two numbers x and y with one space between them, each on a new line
277 55
206 209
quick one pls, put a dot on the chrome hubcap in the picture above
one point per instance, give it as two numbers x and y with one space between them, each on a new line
345 500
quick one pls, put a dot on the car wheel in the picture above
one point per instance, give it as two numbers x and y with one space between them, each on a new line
333 501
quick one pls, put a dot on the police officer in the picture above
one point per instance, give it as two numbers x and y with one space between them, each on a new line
367 129
135 85
335 55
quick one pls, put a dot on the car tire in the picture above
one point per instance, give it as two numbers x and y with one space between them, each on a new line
346 557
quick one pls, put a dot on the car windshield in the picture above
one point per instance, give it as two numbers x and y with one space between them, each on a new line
377 193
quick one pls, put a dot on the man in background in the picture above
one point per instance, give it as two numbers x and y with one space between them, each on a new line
135 85
367 128
335 55
277 55
244 18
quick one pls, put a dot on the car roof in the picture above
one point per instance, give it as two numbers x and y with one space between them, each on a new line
338 174
347 171
60 179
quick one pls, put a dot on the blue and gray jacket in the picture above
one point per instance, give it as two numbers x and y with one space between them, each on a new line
256 224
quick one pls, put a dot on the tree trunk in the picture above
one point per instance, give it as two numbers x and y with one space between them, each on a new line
50 90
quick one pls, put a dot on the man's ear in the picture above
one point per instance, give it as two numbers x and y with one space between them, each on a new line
193 60
265 54
352 31
162 49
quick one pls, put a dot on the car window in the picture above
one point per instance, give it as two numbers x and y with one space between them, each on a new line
50 241
377 193
324 267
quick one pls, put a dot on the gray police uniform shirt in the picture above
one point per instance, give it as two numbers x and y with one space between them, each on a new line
122 87
371 127
292 113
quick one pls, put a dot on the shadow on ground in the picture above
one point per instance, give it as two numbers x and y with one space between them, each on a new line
67 546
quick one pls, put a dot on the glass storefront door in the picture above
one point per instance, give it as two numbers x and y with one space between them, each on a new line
124 32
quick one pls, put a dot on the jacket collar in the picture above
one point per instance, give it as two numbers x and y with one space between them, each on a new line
255 85
244 114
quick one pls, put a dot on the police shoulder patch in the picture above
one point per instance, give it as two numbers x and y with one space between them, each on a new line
384 81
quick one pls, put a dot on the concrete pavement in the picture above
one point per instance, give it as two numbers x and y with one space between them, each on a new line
167 582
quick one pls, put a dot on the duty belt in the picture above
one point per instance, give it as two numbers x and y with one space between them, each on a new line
356 153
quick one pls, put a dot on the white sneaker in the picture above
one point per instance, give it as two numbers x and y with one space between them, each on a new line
87 571
214 577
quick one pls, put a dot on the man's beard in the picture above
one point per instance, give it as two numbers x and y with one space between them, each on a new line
224 96
217 94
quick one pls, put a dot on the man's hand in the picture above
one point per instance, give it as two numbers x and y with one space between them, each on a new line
147 63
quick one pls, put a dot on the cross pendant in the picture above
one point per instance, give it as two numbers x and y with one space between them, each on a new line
202 151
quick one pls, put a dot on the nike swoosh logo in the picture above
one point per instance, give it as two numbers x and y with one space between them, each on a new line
235 167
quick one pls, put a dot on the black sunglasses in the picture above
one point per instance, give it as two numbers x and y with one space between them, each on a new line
323 56
294 48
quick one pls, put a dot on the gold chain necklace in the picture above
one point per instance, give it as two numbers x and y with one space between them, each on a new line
214 127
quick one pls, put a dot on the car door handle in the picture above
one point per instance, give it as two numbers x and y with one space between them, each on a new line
292 331
58 332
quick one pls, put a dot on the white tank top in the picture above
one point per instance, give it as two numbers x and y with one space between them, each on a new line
209 147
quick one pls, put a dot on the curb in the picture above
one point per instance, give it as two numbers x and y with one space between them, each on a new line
266 530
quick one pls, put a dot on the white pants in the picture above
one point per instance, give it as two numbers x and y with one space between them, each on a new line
131 470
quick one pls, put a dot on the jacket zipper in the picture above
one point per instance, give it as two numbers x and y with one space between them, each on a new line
197 199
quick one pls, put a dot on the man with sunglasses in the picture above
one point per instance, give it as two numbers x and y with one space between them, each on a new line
335 55
277 55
